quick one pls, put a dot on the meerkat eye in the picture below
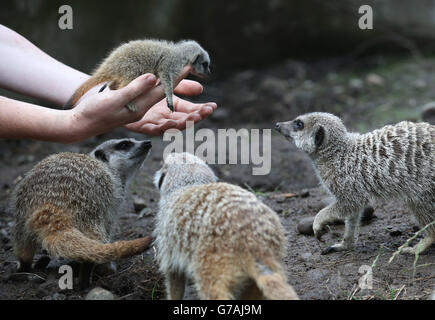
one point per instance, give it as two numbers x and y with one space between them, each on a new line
298 125
99 154
124 145
205 65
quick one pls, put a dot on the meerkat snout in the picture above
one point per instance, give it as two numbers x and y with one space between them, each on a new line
201 66
308 132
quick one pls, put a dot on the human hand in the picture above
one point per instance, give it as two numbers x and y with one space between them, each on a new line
101 112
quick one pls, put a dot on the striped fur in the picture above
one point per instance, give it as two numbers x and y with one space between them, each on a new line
394 162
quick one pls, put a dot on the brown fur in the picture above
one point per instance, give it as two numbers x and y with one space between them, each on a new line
88 84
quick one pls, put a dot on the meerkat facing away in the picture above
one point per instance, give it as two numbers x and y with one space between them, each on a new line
68 204
165 59
217 234
396 161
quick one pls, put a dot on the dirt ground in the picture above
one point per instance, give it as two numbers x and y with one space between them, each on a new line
366 96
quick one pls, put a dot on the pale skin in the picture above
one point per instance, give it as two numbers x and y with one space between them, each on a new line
26 69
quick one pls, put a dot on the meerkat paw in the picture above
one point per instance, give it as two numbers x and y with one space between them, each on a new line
336 248
319 230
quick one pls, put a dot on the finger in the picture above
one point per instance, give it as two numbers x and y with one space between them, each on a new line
156 130
134 89
205 110
188 107
188 88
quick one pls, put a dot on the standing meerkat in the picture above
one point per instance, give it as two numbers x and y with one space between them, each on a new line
68 204
394 162
165 59
217 234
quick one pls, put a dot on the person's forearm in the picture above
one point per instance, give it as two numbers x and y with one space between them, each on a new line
20 120
27 70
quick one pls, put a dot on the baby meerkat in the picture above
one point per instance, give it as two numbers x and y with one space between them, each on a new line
217 234
68 204
394 162
165 59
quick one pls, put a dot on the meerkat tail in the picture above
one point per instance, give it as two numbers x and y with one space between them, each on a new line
273 284
88 84
74 245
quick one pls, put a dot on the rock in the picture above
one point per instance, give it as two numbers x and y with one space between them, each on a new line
428 112
58 296
139 204
374 79
305 226
99 294
306 256
316 274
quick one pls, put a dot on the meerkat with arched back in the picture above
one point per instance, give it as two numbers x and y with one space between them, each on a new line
217 234
393 162
165 59
68 205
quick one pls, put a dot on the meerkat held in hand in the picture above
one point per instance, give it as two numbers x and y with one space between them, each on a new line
217 234
68 204
165 59
396 161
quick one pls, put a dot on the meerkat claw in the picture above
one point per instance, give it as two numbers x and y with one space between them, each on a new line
170 105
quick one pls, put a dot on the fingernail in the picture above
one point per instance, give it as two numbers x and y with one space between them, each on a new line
208 108
150 78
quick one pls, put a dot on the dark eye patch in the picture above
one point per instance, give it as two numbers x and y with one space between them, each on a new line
99 154
319 137
205 65
162 176
298 125
124 145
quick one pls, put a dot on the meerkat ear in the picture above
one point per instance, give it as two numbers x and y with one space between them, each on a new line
319 136
99 154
